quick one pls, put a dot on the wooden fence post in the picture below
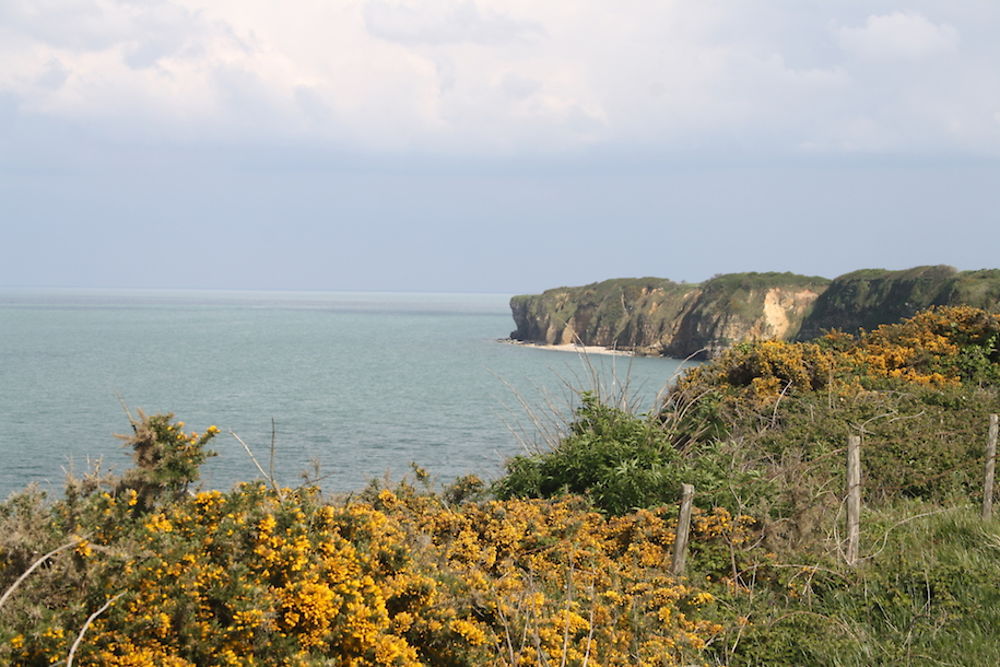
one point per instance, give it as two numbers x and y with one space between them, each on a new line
991 462
853 497
683 530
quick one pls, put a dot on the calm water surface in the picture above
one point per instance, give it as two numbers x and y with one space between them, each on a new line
359 383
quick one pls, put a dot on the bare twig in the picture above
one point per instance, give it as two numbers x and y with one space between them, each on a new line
313 481
590 626
506 631
885 537
121 402
662 395
72 543
270 462
802 612
79 637
569 601
774 415
548 428
128 413
253 458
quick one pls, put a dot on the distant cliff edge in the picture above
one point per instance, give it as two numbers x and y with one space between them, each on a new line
867 298
660 317
656 316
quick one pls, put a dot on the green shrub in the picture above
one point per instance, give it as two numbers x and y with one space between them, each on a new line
621 461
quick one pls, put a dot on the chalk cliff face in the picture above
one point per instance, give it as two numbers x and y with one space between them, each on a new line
660 317
723 316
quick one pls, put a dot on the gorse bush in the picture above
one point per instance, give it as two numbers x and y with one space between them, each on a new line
918 393
939 347
283 576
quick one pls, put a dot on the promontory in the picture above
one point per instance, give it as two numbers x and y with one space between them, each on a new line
656 316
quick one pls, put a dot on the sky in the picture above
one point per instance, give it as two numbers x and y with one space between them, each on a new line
492 146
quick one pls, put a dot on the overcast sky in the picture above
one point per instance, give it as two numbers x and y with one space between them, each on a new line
487 145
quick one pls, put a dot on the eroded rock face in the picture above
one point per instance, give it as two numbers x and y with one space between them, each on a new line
624 313
717 321
661 317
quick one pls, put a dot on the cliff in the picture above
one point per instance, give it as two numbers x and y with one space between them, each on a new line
870 297
655 316
750 306
660 317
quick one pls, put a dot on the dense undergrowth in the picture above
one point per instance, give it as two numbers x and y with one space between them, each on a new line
565 559
398 576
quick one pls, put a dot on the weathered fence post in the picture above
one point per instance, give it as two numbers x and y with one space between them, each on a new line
853 497
991 462
683 530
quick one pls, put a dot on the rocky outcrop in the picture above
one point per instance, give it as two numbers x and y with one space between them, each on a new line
727 312
870 297
656 316
660 317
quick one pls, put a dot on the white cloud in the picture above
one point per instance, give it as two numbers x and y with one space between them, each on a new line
447 22
899 36
492 77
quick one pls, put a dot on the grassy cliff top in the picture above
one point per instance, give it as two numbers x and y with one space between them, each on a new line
976 281
613 286
936 272
725 281
765 280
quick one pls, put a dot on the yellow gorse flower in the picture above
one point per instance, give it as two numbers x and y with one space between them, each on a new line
404 581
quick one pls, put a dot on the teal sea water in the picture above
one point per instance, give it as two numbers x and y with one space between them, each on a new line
359 383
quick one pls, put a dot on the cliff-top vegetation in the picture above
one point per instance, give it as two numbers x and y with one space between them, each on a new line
753 280
564 560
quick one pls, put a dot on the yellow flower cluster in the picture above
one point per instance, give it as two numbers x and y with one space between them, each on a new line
924 349
767 369
913 349
254 577
554 583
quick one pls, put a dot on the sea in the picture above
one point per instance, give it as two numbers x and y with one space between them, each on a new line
340 388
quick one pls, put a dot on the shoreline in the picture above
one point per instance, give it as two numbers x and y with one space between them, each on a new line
569 347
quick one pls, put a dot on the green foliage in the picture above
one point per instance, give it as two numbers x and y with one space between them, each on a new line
978 363
167 460
872 297
764 280
918 443
619 461
762 429
925 594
